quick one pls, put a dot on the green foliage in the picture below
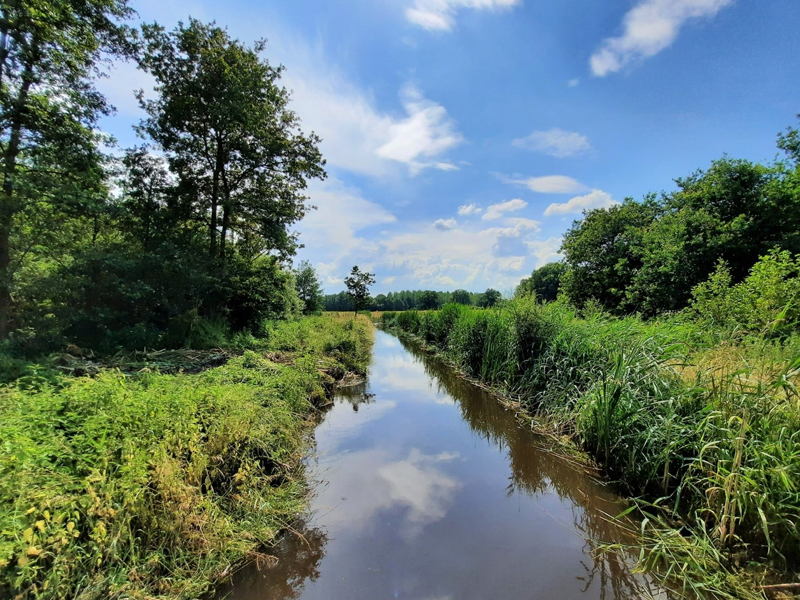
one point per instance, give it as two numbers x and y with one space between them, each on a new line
462 297
707 432
403 300
767 301
490 298
151 486
358 283
648 257
429 300
224 123
309 288
49 113
544 282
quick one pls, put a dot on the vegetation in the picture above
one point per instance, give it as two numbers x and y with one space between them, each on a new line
696 413
544 282
647 257
358 283
153 485
309 288
405 300
191 230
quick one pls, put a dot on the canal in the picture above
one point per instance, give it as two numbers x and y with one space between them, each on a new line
426 488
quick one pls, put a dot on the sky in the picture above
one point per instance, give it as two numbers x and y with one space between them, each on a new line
464 137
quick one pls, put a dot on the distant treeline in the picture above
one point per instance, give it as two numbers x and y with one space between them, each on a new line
415 300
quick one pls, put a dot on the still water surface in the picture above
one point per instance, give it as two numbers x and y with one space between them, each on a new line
429 490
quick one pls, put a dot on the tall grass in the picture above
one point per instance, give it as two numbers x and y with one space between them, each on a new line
706 430
151 486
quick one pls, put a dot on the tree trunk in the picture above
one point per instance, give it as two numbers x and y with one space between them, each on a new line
226 217
213 227
10 205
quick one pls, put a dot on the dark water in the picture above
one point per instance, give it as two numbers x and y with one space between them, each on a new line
429 490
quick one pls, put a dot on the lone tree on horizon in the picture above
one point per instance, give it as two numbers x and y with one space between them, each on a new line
358 283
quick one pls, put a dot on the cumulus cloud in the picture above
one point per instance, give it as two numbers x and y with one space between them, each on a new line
445 224
426 132
357 134
594 199
439 15
647 29
545 251
549 184
469 209
555 142
495 211
333 230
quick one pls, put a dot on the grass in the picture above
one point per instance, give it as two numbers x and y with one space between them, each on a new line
153 485
702 426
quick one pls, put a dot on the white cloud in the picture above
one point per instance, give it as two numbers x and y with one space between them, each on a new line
594 199
124 78
469 209
573 82
546 251
356 134
439 15
495 211
468 256
549 184
445 224
555 142
332 231
426 132
648 28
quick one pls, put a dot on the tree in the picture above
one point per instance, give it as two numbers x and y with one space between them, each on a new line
544 282
49 110
358 283
490 298
225 125
461 297
603 252
309 288
428 300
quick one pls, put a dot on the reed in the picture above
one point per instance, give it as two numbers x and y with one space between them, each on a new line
701 424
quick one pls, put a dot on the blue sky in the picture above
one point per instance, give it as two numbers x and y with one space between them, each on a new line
463 137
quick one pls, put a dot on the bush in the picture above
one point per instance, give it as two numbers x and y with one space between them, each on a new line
766 302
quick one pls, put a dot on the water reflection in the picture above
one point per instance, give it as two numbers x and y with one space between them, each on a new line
429 489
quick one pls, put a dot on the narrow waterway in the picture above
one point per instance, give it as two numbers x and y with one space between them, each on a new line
427 489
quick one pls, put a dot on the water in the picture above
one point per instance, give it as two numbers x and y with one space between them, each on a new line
429 490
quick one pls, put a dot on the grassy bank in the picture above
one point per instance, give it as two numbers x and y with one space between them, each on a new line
152 485
702 425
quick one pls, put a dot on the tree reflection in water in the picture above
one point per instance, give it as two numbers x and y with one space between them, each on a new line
356 395
536 471
297 558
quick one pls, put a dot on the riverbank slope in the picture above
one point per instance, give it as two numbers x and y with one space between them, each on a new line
153 485
702 426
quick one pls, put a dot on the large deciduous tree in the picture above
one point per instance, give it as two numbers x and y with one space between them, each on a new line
49 108
225 124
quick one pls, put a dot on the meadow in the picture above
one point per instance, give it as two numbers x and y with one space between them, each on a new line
700 425
152 485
